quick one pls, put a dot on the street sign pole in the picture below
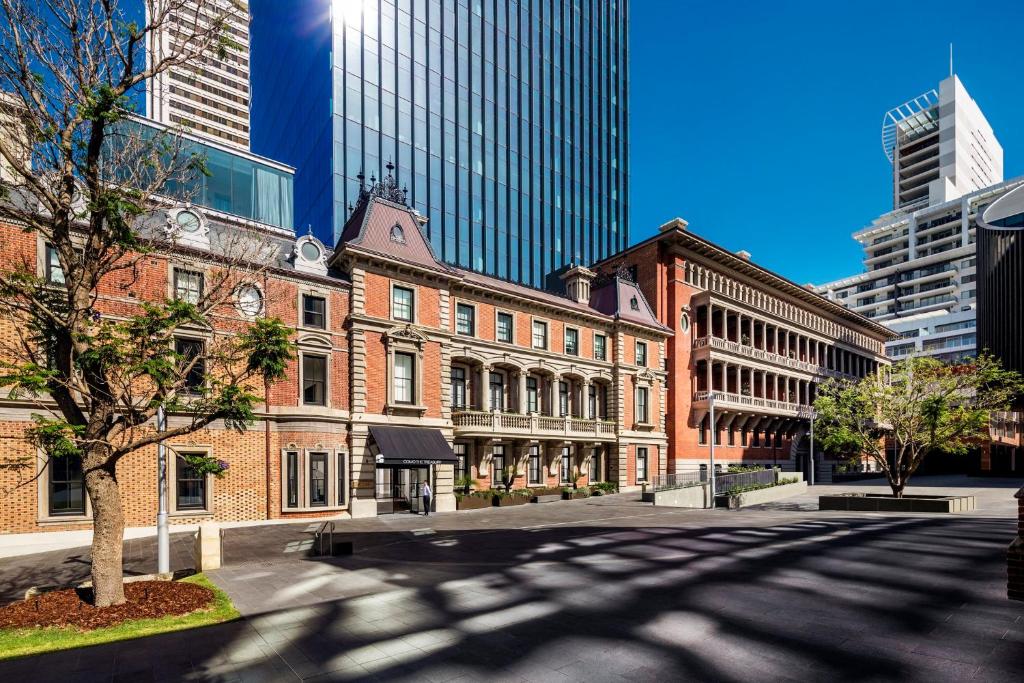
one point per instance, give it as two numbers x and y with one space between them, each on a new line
163 542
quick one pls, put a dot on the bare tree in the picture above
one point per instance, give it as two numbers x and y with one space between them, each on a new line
82 174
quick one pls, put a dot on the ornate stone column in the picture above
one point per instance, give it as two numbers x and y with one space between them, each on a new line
521 392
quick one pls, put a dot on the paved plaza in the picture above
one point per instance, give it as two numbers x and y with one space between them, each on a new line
606 589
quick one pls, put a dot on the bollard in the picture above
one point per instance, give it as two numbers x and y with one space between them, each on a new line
207 549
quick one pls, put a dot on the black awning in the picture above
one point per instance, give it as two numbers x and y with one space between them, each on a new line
410 446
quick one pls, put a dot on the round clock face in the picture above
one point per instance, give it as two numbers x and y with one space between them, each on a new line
188 221
250 301
310 251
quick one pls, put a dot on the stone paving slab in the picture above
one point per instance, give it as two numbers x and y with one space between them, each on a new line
601 590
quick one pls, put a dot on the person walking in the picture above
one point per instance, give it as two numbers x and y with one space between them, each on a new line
426 494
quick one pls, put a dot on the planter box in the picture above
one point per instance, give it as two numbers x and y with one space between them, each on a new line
472 503
686 497
882 502
506 501
575 495
736 501
546 498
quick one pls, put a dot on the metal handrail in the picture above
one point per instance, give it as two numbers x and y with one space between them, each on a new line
327 526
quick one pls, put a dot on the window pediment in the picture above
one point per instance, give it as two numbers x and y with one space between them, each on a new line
407 334
314 341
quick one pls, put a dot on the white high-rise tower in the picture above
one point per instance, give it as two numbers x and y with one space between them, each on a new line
211 99
919 259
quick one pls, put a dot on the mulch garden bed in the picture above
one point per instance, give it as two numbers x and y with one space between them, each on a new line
72 606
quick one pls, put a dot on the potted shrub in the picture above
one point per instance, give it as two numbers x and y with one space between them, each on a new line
465 484
745 339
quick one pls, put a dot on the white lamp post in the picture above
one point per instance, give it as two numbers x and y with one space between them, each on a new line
163 542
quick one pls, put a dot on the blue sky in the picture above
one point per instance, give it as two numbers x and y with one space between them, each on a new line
759 123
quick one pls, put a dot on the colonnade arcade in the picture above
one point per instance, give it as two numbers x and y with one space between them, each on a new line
505 387
714 320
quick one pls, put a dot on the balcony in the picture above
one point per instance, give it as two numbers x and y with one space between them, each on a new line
746 404
761 355
503 425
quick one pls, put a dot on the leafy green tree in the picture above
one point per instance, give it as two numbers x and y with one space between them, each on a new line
920 406
77 173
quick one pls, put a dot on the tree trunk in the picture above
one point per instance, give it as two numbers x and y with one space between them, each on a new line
108 535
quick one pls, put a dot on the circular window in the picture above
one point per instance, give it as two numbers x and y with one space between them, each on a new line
684 322
188 221
249 300
310 251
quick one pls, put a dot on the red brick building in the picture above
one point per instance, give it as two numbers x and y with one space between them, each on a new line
756 342
564 388
398 353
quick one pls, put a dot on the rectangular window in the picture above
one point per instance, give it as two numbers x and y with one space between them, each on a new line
190 355
66 487
190 486
458 387
54 273
292 479
405 367
497 383
401 304
532 403
595 466
565 466
592 402
641 463
534 465
188 285
600 347
497 465
465 320
540 334
641 354
563 398
461 469
504 332
642 414
317 479
314 311
743 436
314 380
572 341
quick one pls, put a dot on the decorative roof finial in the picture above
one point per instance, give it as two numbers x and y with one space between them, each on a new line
390 166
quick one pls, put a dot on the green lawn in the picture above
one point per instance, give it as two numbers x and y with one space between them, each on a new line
34 641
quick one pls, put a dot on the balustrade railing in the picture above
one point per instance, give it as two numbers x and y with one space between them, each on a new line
531 424
762 355
725 398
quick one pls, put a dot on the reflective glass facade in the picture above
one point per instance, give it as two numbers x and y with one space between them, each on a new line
506 119
235 181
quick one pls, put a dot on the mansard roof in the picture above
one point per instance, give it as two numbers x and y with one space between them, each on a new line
622 299
371 229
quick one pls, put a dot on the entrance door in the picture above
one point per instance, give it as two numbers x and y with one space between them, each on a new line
398 489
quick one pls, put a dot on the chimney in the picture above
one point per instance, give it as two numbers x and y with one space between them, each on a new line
577 283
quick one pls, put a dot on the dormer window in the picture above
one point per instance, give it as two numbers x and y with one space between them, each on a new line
634 303
186 225
310 251
310 256
397 234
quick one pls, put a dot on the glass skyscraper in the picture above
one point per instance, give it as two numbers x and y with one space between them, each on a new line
506 119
